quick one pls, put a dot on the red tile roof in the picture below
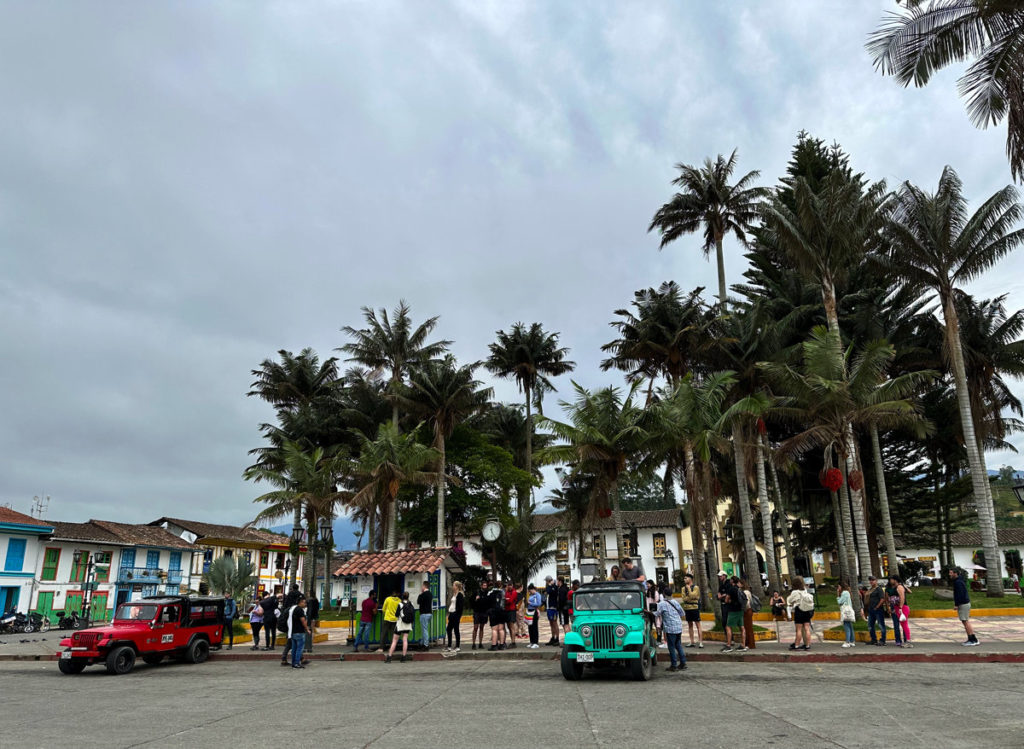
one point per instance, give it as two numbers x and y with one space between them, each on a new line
403 561
7 515
226 532
143 535
671 518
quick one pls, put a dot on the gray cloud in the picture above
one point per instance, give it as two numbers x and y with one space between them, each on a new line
186 188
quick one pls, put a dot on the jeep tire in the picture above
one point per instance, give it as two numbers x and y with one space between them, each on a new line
197 651
571 669
120 660
71 665
152 659
641 667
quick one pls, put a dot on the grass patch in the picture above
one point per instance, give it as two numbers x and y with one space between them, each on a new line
757 628
858 626
922 598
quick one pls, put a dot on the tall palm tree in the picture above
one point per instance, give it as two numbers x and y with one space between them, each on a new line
604 431
530 356
937 244
444 394
707 200
921 40
574 499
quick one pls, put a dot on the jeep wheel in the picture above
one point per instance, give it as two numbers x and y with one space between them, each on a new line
641 667
152 658
571 670
197 651
120 660
71 665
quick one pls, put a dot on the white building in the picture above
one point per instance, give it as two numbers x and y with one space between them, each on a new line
20 546
965 545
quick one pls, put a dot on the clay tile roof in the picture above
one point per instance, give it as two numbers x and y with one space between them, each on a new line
144 535
227 532
403 561
1005 537
7 515
671 518
83 532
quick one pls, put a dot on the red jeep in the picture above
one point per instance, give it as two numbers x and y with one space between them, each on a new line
176 626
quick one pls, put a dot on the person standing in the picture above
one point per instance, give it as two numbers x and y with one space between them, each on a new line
403 626
691 609
875 605
481 606
496 617
230 614
568 597
290 601
312 619
390 618
521 627
366 615
732 612
746 600
425 602
511 602
256 624
269 606
533 604
802 603
846 613
671 615
962 604
455 606
894 606
629 572
551 595
297 630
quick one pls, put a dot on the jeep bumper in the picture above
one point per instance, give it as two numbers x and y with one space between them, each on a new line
606 655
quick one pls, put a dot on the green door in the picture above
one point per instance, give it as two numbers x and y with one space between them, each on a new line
98 605
44 605
73 602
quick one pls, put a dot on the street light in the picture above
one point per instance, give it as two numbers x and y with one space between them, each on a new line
1018 492
87 584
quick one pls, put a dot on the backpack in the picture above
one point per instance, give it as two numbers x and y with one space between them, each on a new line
282 621
755 603
408 613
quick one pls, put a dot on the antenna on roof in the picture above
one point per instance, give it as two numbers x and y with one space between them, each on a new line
40 505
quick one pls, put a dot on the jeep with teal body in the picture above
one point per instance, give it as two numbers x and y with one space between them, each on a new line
611 627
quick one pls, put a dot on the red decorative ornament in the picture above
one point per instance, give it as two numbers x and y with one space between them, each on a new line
604 513
831 479
762 429
856 480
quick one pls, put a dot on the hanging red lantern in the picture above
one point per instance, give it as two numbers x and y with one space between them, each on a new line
856 481
604 513
831 479
762 429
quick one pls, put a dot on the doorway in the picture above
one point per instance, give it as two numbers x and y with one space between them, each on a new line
9 598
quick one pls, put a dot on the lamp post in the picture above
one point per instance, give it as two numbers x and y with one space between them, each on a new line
294 549
1018 492
87 584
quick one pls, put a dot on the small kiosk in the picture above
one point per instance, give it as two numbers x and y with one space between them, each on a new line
402 570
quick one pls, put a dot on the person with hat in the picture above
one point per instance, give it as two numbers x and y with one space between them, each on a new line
875 609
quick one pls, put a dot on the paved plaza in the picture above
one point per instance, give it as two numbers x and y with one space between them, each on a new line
455 704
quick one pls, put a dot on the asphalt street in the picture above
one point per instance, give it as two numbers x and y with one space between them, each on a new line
451 705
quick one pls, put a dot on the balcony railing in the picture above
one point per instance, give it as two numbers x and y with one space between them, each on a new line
140 575
173 577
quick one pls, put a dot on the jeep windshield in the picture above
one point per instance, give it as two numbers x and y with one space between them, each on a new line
606 600
139 612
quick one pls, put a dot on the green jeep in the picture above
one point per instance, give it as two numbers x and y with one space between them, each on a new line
611 626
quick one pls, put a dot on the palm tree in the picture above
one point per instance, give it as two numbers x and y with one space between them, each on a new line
574 499
392 346
920 40
445 394
520 550
935 243
387 463
234 575
603 432
706 199
529 356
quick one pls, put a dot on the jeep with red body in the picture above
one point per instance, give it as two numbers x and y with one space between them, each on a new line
150 628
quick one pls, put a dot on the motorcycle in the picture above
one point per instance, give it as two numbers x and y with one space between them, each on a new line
38 622
69 621
15 623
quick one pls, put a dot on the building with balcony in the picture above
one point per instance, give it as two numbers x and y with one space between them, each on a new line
21 538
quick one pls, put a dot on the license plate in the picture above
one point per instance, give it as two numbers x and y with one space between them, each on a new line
66 655
584 657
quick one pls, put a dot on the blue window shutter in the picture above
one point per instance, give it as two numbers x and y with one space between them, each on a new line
127 558
152 559
175 563
15 555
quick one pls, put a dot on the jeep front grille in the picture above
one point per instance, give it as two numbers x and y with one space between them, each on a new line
604 636
87 639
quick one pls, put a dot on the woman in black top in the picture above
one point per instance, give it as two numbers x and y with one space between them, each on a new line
455 606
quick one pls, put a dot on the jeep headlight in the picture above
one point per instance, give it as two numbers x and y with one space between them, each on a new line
586 630
620 631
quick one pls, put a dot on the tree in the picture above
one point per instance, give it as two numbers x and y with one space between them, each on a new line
921 40
233 575
936 243
530 356
445 394
520 550
706 199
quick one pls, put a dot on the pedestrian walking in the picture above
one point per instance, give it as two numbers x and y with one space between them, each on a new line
749 643
270 607
533 605
691 610
425 602
297 628
876 609
896 592
671 614
802 603
481 606
403 626
230 613
312 619
389 613
256 624
846 613
962 603
456 602
367 611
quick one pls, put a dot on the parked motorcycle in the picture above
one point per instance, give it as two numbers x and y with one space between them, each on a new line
69 621
38 622
14 622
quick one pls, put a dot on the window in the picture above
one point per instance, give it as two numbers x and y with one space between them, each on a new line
229 553
207 559
264 559
627 546
562 548
248 556
598 544
102 560
659 545
78 570
51 560
15 555
279 562
174 563
152 559
562 571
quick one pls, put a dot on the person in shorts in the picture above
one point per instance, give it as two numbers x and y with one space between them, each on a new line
691 609
563 603
481 605
551 594
962 603
802 603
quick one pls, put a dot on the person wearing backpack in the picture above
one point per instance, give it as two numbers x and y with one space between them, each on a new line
406 617
270 607
389 621
802 604
671 615
846 613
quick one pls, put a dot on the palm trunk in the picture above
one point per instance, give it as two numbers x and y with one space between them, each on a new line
391 541
696 514
753 575
529 452
883 501
311 557
857 505
720 257
613 490
440 492
975 457
837 520
780 505
296 523
766 520
849 549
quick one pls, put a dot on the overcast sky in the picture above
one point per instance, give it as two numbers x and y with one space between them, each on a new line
187 187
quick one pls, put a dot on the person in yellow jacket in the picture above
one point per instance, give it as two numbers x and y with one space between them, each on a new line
390 611
691 609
